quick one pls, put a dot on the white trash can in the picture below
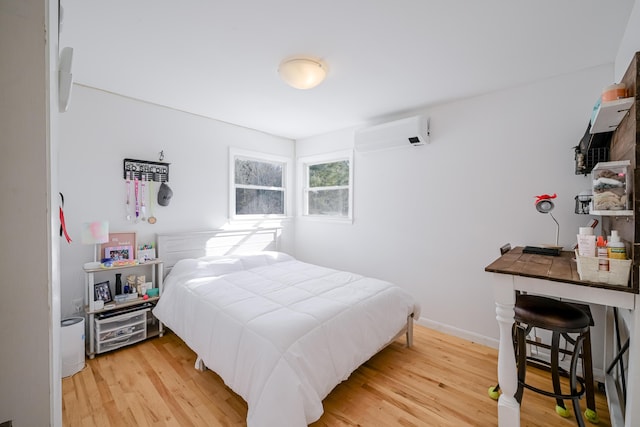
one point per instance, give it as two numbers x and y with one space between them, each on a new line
72 345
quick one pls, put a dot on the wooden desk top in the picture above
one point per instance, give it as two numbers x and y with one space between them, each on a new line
561 268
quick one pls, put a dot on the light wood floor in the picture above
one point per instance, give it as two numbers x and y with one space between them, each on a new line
440 381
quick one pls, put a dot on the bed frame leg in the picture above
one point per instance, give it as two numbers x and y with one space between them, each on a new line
410 330
200 364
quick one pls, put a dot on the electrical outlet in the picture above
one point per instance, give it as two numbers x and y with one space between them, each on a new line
77 305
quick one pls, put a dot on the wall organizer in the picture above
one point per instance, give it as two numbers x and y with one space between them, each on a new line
151 171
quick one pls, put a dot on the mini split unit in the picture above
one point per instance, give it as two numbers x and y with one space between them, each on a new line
409 132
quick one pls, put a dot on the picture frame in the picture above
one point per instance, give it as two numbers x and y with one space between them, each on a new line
119 253
121 246
102 292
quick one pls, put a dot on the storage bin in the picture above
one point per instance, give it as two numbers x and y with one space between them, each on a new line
118 331
611 186
121 342
618 273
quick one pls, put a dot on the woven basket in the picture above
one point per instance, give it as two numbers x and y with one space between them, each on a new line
618 273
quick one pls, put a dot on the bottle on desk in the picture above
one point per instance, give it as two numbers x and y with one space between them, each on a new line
586 242
603 255
616 249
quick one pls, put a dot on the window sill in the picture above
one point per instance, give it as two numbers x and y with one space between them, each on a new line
328 219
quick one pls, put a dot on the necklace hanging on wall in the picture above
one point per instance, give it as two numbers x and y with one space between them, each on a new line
143 198
128 190
151 219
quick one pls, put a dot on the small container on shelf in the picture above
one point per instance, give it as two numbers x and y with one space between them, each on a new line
614 92
611 187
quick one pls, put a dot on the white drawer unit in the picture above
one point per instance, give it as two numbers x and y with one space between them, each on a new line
118 331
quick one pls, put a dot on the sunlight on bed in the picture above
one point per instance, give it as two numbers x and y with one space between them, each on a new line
175 246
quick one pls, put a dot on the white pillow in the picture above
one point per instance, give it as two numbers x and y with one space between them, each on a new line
205 267
222 266
260 259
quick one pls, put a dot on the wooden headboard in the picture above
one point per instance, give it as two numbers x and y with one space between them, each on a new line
173 247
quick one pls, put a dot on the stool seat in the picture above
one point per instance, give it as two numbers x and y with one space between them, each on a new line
551 314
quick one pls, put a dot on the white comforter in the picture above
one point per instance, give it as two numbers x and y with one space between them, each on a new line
281 333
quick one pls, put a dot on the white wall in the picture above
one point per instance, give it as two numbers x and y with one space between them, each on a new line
630 43
29 317
102 129
431 218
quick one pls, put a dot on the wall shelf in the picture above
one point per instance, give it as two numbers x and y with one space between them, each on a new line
150 171
611 213
610 114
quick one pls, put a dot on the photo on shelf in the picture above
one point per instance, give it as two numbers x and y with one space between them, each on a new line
121 246
102 292
118 253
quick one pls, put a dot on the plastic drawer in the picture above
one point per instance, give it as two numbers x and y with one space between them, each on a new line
116 322
120 341
118 331
121 331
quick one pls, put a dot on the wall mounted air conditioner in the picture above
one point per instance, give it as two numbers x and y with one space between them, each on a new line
409 132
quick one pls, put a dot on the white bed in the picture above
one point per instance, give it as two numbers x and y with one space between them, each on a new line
281 333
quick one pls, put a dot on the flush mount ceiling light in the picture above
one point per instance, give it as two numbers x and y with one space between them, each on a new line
302 73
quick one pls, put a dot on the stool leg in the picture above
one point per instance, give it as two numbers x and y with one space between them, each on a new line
587 366
521 354
573 380
561 409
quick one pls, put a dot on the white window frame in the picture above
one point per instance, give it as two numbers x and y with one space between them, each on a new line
302 179
235 153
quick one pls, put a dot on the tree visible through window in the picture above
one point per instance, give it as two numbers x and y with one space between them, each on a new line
327 185
329 189
258 185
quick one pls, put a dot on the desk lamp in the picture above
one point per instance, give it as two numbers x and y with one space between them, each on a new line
545 205
95 233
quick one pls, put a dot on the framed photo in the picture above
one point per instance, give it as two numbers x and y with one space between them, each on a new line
121 246
102 292
119 253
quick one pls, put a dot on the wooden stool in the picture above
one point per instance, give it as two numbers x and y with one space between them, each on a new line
562 319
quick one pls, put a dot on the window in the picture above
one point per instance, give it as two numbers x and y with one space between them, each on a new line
258 185
327 185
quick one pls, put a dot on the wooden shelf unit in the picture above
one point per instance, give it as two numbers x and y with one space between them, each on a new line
625 145
152 327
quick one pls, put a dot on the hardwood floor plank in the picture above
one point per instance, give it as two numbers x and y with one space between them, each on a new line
440 381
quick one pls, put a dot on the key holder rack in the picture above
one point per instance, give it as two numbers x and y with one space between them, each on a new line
151 171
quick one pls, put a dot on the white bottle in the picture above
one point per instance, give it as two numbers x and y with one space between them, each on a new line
586 242
615 248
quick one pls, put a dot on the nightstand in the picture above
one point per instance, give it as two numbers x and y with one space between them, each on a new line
119 324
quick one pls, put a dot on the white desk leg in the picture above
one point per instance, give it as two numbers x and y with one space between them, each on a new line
632 414
508 407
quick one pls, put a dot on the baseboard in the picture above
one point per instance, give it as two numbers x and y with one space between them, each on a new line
460 333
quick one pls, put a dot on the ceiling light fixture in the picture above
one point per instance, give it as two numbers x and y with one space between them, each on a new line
302 73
